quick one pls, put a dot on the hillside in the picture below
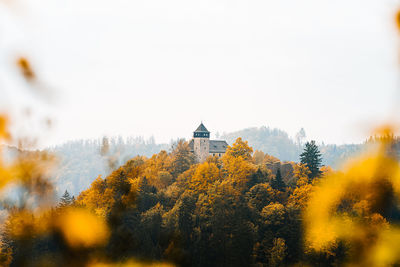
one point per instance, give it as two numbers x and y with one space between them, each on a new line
226 211
81 161
243 209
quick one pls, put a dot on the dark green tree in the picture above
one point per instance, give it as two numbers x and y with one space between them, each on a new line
66 200
277 182
312 158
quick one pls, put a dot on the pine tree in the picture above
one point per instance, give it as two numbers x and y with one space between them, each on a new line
66 200
277 182
312 158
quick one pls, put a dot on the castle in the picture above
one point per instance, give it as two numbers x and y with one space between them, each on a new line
202 146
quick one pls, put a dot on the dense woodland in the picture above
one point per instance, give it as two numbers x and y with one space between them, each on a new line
229 211
81 161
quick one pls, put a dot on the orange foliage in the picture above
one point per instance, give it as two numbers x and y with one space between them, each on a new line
81 228
397 20
97 198
349 206
205 175
301 194
239 149
26 68
237 163
160 162
4 134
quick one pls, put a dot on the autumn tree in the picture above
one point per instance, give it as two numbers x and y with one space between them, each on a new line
238 166
182 158
160 162
278 252
312 158
239 149
298 199
205 175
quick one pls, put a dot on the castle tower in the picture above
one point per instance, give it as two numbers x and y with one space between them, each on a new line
201 146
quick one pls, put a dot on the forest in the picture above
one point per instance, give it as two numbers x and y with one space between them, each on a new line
235 210
81 161
270 200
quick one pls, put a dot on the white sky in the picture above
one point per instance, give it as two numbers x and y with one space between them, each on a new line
159 67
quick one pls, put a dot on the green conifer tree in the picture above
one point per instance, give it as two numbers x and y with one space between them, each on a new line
277 182
312 158
66 200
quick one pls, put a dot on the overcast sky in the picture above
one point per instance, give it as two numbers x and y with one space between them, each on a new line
159 67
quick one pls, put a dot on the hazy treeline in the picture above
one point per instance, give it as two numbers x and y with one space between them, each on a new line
278 143
81 161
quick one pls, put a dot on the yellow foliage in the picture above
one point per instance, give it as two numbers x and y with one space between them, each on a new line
239 149
160 162
205 175
301 172
237 163
4 134
238 170
397 19
326 170
97 198
6 175
81 228
348 206
300 196
6 172
21 224
25 68
273 213
30 169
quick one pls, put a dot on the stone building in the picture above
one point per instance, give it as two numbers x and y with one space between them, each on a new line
202 146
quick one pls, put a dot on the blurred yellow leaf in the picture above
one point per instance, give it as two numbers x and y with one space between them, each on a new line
81 228
347 206
3 127
25 68
398 20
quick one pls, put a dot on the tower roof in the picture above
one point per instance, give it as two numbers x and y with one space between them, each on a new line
201 128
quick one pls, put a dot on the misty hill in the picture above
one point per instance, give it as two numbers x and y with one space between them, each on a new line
82 161
277 143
